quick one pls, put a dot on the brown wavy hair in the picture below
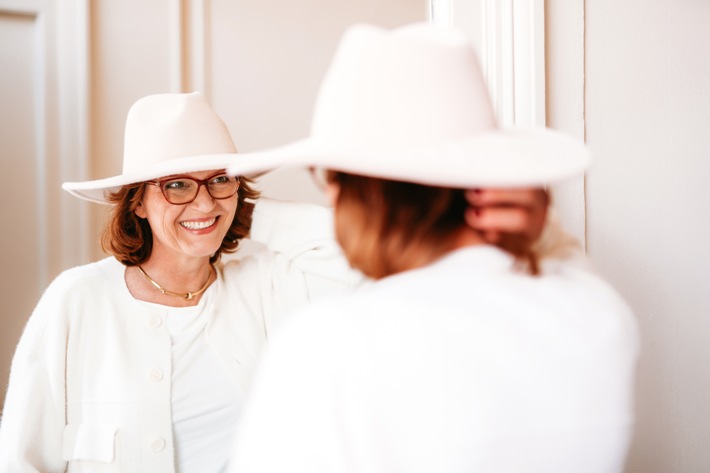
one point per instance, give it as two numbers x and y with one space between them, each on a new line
130 239
386 227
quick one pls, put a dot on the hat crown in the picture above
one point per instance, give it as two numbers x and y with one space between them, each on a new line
411 104
166 127
166 134
420 86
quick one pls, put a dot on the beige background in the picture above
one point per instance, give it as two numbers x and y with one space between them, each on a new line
631 77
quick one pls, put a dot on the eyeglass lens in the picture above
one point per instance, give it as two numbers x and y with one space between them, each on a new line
183 190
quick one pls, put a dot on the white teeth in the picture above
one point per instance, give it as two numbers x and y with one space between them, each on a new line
198 225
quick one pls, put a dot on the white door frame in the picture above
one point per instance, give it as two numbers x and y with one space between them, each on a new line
510 38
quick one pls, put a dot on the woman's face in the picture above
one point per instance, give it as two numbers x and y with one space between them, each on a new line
195 229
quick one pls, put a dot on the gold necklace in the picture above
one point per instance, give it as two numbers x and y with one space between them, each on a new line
188 295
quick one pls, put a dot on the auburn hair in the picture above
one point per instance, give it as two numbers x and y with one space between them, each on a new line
386 227
130 239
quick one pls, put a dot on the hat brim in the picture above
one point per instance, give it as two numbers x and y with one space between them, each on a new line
501 158
96 191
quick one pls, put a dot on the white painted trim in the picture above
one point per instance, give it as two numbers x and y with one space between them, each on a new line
199 47
513 59
512 49
567 49
41 161
20 7
73 53
493 56
441 12
176 45
513 54
510 37
529 62
189 48
42 119
61 130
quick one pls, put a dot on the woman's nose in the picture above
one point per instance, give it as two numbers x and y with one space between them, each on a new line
204 201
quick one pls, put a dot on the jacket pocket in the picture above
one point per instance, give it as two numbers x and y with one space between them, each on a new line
90 448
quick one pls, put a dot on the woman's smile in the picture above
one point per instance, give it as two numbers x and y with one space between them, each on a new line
199 224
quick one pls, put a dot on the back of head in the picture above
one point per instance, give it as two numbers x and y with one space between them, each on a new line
386 227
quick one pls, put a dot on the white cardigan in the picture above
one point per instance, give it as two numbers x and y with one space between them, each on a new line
90 381
462 366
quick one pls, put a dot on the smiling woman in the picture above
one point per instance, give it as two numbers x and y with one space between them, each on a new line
139 362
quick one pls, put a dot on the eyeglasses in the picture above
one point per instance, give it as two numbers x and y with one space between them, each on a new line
180 190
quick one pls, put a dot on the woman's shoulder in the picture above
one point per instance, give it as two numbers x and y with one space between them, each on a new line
234 265
250 261
85 277
75 290
89 270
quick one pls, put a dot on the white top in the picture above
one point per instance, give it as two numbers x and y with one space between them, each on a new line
462 366
205 404
92 377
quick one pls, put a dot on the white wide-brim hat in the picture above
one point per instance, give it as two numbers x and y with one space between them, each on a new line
411 104
166 134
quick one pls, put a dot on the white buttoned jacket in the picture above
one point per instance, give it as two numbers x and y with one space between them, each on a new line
90 381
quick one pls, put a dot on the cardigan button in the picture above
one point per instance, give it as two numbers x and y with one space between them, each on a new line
155 321
157 444
156 375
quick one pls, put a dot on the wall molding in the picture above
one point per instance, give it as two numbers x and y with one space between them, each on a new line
566 50
61 136
513 57
190 46
510 38
441 12
72 53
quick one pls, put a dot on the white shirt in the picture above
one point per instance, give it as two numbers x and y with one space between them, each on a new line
205 403
461 366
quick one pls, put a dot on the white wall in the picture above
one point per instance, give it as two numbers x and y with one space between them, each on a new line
42 121
268 60
20 243
646 115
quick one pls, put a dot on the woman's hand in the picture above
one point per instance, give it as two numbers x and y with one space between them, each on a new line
494 212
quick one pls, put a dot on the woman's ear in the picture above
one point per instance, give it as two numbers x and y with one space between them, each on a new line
140 210
331 192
